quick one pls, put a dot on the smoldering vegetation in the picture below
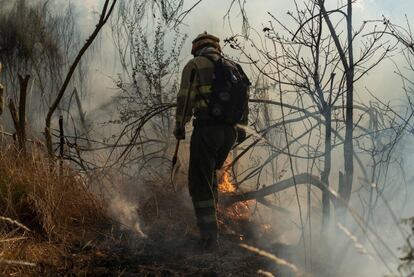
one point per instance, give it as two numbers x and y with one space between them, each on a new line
320 187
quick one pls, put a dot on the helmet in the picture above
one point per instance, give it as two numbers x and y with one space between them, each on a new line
203 40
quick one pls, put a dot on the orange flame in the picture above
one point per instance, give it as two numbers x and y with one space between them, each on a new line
225 184
238 211
235 216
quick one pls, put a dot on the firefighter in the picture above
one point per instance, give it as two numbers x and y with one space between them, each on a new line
211 141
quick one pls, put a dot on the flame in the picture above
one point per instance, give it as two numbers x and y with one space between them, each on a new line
234 218
237 212
225 184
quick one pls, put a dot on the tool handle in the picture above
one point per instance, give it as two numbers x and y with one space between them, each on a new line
174 159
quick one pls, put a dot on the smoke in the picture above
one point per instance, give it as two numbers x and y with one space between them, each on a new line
126 213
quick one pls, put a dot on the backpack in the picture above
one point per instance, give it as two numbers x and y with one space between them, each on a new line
230 92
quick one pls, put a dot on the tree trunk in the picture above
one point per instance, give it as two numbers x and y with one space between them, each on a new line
19 114
21 129
348 64
327 164
345 191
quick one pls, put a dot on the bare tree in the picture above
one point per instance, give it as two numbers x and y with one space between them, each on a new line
106 11
316 71
347 59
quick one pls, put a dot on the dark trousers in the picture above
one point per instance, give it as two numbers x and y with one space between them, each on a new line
209 148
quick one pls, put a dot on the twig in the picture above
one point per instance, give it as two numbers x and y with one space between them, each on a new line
13 262
14 222
12 239
275 259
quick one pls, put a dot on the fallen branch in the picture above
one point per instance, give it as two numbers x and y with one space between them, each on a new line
304 178
14 222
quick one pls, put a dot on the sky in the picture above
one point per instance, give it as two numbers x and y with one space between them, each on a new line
209 15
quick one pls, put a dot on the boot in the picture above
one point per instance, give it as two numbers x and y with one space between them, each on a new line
208 244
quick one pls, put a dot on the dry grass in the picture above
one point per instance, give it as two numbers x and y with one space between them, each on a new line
44 213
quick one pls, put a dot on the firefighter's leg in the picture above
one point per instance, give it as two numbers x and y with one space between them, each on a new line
215 187
203 149
229 138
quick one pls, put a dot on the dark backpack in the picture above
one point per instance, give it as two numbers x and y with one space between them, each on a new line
230 92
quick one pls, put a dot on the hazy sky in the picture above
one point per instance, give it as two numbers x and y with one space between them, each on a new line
209 16
211 12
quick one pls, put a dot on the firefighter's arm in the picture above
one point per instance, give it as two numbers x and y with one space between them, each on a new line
185 98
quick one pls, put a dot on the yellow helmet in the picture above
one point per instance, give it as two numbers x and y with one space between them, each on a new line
205 39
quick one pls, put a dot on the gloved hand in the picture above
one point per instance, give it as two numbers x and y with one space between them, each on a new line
179 132
241 135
